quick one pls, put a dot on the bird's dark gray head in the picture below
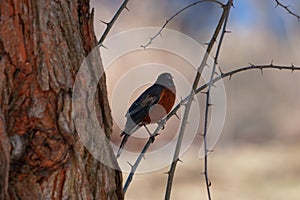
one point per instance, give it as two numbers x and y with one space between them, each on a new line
165 79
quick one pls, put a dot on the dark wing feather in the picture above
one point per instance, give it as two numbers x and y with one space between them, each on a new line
140 107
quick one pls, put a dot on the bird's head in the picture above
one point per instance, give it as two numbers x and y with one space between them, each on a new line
165 79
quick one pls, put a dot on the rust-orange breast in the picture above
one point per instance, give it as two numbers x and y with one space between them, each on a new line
162 108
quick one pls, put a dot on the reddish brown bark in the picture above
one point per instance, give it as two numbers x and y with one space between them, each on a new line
42 44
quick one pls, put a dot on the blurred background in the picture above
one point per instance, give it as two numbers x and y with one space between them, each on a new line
258 154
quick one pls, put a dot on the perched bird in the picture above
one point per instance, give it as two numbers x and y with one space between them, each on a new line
150 107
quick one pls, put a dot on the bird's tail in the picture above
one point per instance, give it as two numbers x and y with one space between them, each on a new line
125 138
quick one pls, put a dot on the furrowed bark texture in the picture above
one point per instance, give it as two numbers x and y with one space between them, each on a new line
42 44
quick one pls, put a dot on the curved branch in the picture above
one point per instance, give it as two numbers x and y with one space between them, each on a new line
174 15
278 3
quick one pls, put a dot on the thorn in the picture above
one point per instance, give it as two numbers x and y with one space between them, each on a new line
144 156
271 63
227 31
210 150
216 73
92 12
168 172
232 5
206 92
160 34
177 116
213 85
201 134
102 45
251 64
206 43
293 67
152 138
106 23
209 183
130 164
230 76
143 46
127 8
179 160
261 71
210 104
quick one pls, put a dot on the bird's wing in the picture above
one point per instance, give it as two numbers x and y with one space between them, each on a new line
148 98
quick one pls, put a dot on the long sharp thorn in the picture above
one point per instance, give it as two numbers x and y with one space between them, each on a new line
129 164
209 183
102 45
106 23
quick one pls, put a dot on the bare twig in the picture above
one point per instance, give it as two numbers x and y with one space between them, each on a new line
207 105
278 3
174 15
247 68
110 24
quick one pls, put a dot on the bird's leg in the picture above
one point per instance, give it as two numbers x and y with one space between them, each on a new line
148 130
150 134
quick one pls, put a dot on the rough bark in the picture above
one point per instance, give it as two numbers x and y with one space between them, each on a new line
42 44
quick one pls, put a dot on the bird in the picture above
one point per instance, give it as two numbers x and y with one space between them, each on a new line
150 107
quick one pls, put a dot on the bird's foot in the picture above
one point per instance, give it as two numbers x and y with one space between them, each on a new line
162 123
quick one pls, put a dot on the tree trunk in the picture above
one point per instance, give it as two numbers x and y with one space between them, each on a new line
42 44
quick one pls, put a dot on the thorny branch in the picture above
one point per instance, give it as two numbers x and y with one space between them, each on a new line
278 3
208 104
110 24
183 101
221 23
190 98
174 15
